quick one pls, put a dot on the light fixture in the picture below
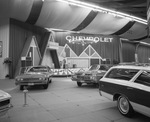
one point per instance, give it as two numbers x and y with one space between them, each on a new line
104 10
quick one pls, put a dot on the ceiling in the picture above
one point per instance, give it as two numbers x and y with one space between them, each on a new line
133 7
63 16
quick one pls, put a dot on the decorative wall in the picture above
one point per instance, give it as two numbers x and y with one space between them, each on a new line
85 47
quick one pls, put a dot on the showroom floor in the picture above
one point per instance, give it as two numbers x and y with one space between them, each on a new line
63 101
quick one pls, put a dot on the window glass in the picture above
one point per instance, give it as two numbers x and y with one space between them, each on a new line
38 69
144 78
103 67
23 70
124 74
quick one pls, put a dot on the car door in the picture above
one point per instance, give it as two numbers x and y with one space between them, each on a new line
118 81
141 90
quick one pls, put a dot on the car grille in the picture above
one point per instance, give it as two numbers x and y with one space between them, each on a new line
5 102
78 76
87 77
31 79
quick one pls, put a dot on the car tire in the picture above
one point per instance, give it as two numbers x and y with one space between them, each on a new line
79 84
21 87
45 86
124 106
49 80
96 85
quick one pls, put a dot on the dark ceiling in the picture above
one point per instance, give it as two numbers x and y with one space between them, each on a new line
136 8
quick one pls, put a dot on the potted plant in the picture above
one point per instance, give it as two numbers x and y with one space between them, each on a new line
7 60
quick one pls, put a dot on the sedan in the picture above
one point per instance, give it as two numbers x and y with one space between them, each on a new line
34 75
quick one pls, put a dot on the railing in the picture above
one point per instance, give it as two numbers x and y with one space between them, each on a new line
66 72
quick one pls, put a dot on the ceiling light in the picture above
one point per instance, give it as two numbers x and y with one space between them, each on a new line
104 10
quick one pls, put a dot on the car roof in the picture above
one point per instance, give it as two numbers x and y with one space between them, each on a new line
140 67
39 66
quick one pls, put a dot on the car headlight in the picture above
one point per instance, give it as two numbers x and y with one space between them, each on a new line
41 78
93 77
19 79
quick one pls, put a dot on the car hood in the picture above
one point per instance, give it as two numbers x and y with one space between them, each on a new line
79 72
94 71
32 75
4 95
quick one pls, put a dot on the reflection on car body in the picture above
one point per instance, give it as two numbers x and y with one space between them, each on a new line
34 75
5 102
130 86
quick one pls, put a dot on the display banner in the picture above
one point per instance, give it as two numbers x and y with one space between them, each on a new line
81 45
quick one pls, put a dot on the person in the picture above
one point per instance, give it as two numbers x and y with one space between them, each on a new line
64 63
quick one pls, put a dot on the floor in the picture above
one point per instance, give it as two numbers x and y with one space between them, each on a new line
63 101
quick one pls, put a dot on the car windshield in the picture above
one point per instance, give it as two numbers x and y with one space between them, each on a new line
38 69
23 70
94 67
103 67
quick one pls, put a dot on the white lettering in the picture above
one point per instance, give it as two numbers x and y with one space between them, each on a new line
68 38
88 39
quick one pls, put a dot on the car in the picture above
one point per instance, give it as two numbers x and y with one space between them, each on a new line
129 85
5 102
34 75
95 72
78 76
92 75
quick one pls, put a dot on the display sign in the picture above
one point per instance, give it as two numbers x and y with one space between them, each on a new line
87 39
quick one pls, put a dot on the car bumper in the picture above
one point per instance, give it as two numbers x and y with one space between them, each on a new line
31 83
4 108
75 78
90 81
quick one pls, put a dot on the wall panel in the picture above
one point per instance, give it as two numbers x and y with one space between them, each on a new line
19 32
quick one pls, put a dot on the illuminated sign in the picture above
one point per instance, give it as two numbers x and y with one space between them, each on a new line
87 39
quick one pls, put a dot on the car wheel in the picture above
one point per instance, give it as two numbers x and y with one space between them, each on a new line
45 86
21 87
50 80
124 106
97 85
79 84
